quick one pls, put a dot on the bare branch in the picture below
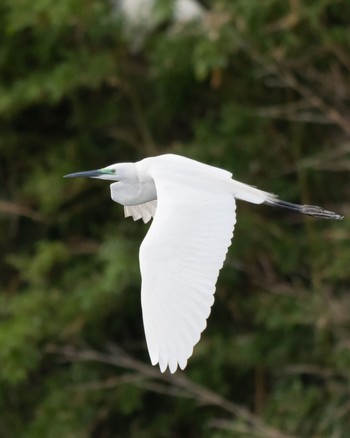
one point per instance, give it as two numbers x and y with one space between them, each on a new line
287 78
225 424
317 102
314 370
342 55
19 210
331 160
288 21
178 381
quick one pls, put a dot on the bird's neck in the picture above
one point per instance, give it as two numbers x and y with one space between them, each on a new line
134 193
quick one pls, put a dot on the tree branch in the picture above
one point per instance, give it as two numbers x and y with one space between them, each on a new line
19 210
174 384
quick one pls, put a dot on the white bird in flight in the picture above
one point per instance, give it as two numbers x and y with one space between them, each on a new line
194 212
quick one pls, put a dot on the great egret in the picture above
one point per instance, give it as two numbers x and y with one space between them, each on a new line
193 206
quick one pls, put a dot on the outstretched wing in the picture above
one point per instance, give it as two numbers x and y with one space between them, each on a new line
180 259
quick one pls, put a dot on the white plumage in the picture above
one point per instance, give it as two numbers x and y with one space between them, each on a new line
181 256
193 209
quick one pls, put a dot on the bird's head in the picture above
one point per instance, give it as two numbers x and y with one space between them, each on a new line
114 172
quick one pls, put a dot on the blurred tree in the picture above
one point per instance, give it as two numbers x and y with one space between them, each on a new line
259 88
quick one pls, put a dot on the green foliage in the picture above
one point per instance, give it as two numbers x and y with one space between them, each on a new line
258 88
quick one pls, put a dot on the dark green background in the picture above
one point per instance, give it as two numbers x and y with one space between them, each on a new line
260 88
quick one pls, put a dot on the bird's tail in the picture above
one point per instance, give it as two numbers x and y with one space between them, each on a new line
309 210
249 193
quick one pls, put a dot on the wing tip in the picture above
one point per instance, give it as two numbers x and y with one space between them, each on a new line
173 365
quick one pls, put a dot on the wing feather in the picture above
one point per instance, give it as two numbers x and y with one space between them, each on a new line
141 211
180 259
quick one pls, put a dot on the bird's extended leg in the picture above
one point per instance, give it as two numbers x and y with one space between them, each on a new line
310 210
